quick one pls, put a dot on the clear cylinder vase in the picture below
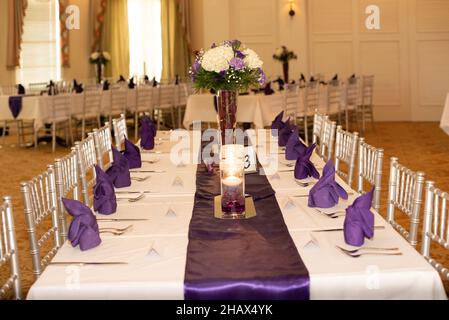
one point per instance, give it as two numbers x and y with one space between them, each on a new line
227 115
232 177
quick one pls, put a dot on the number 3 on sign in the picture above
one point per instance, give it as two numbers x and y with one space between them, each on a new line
250 160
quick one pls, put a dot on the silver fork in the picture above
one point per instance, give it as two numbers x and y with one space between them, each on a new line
140 179
133 199
332 215
115 231
150 161
370 253
305 184
367 248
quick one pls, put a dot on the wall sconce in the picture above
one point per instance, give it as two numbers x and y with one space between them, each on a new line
291 12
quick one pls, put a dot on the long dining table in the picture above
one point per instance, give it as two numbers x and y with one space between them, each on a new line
155 250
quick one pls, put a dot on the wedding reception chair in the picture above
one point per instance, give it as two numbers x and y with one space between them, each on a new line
318 120
311 102
120 131
370 160
405 190
294 109
40 208
37 88
9 252
87 159
67 186
144 104
352 100
345 152
335 106
436 225
61 114
117 106
103 146
326 142
91 110
166 100
367 101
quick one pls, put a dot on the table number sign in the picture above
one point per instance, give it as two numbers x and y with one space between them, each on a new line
250 160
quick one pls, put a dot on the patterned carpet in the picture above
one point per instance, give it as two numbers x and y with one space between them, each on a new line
420 146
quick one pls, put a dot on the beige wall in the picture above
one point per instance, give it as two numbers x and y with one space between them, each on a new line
409 55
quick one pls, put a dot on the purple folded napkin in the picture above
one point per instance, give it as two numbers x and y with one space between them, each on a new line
285 133
132 154
359 221
20 89
294 147
304 168
119 171
327 191
147 133
15 105
277 123
83 230
105 201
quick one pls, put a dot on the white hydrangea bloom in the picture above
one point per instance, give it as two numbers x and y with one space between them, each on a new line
217 59
252 60
106 55
95 55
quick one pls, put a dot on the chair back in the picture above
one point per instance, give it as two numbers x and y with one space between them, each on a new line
436 225
144 99
61 107
9 252
40 206
119 97
67 186
326 143
367 90
370 160
405 190
353 93
92 104
291 103
87 159
311 96
166 96
345 152
103 146
120 131
334 98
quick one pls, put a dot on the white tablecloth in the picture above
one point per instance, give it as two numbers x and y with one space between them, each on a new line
156 249
444 124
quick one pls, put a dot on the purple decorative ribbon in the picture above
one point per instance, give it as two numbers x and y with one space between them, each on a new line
15 105
242 259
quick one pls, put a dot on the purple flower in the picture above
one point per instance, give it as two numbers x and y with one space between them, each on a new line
237 63
222 73
239 54
262 77
196 67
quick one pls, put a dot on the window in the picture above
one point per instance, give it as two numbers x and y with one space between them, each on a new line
40 58
145 38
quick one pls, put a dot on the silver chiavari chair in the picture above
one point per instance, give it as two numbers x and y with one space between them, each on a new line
166 100
326 145
40 205
91 109
103 146
311 103
9 252
144 104
352 99
367 101
345 152
436 225
335 105
61 108
370 160
67 186
120 131
87 159
318 121
405 191
119 97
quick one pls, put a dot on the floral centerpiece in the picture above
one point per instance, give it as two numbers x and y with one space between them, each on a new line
227 68
100 59
284 56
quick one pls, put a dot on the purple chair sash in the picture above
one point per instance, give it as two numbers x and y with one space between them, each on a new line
241 259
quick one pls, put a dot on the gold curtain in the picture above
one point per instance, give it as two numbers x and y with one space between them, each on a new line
16 15
176 55
115 38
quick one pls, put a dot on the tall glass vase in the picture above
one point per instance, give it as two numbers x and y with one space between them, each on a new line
285 69
227 112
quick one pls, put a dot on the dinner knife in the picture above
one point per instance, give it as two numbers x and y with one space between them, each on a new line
118 220
341 229
87 263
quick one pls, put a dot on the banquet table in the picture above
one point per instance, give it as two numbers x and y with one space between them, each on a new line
156 250
444 124
258 109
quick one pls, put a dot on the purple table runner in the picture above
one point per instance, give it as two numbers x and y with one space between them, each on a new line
241 259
